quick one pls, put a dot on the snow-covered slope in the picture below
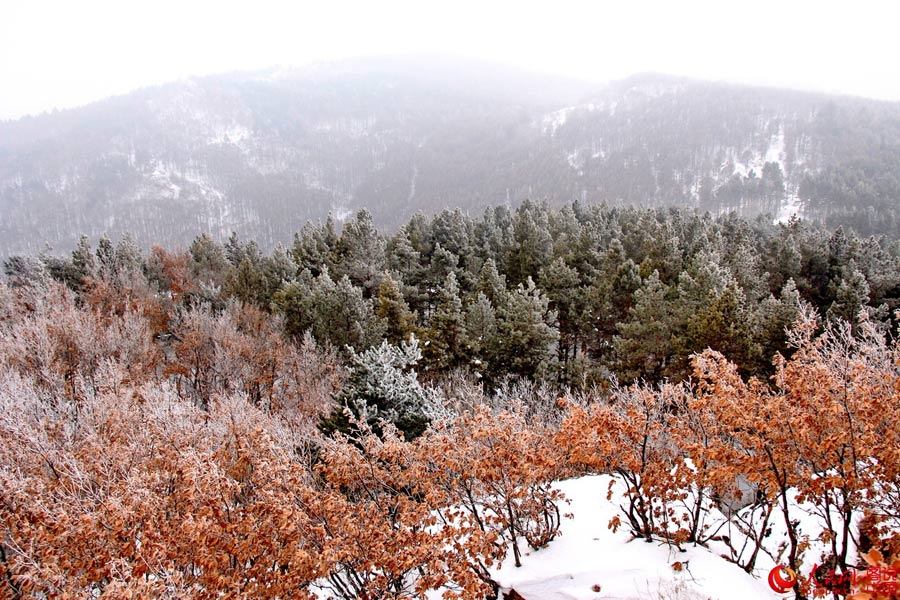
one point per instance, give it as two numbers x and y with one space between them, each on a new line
589 554
589 561
263 153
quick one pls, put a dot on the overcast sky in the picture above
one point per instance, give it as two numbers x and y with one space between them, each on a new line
60 53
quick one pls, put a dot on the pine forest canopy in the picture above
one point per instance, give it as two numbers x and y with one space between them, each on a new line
573 296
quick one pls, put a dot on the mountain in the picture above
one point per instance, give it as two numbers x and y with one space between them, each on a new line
261 153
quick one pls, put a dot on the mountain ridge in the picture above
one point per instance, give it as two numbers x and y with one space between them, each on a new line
262 154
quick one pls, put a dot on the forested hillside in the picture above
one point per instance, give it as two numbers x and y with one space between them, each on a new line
573 296
378 415
262 153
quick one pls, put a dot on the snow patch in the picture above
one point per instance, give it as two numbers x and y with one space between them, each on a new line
556 119
233 134
340 213
775 153
790 208
351 127
588 554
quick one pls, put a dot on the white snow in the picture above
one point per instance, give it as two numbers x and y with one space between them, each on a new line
341 213
572 159
354 128
588 561
556 119
232 134
588 554
787 210
412 184
774 153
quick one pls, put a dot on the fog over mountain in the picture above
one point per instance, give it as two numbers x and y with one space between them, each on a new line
261 153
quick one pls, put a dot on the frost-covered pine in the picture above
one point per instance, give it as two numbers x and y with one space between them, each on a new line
384 386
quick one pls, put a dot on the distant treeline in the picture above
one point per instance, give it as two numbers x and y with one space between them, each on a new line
574 296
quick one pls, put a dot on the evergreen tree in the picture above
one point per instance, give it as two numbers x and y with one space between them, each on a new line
129 258
293 303
644 344
359 253
234 250
26 271
82 266
609 300
383 385
314 246
532 246
851 295
209 265
526 336
335 313
404 260
492 284
106 258
776 315
443 263
277 270
446 343
246 283
561 285
450 229
393 314
723 325
481 328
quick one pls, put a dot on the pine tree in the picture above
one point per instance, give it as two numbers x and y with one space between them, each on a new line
726 326
129 258
450 229
443 263
292 302
644 344
277 270
446 342
314 246
561 284
851 295
532 246
526 336
481 329
394 316
234 250
359 253
383 385
246 283
492 284
106 258
209 265
776 315
608 302
82 267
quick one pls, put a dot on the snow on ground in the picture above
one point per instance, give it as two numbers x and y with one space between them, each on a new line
556 119
588 554
787 210
774 153
232 134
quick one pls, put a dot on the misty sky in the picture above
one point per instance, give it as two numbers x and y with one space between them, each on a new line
60 53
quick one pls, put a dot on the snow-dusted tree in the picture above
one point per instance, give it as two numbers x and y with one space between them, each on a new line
644 343
392 311
447 345
526 333
383 385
